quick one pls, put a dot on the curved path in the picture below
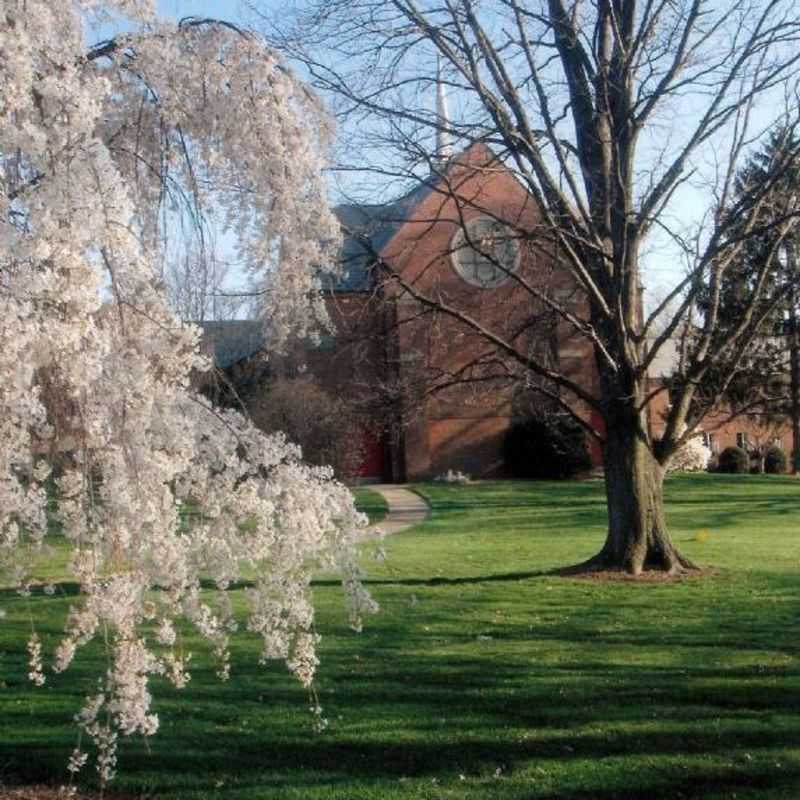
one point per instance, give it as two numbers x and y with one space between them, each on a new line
406 508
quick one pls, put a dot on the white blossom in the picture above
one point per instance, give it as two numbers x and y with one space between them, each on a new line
36 671
95 369
692 456
77 760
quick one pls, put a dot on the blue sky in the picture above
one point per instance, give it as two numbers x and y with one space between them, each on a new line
219 9
661 265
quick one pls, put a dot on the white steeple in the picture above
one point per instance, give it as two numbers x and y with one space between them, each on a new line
444 142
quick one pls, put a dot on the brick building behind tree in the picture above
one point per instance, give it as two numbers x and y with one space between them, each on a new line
443 397
434 393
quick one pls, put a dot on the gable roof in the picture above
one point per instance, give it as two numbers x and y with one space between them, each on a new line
667 359
372 226
368 228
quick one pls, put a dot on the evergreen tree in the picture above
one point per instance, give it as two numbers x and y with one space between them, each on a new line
756 381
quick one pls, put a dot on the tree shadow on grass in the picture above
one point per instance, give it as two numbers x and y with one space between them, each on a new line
267 765
399 714
591 675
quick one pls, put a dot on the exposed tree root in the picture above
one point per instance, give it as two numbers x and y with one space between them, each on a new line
47 792
601 567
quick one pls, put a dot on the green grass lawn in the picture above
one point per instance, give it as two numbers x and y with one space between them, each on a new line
371 503
485 677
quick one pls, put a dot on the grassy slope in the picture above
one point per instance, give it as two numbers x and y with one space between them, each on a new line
483 677
371 503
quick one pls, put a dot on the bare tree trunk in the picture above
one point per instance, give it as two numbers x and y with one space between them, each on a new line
794 373
637 537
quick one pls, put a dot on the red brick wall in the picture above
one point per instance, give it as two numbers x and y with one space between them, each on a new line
463 426
759 431
466 424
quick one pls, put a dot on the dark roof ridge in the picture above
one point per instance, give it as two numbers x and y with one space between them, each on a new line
366 221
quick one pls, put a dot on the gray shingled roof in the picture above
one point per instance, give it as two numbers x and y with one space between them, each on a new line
666 361
233 340
377 224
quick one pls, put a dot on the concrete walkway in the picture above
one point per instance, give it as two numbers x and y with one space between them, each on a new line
406 508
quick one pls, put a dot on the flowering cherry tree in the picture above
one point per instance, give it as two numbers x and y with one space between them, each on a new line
103 149
691 456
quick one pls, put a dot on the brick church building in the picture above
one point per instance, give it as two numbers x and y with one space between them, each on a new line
446 395
436 396
432 286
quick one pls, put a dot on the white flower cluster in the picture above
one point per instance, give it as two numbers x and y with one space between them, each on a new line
453 476
36 672
155 489
692 456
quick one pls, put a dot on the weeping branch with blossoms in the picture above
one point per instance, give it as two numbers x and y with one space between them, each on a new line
102 150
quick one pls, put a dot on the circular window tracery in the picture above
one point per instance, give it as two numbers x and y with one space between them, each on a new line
484 252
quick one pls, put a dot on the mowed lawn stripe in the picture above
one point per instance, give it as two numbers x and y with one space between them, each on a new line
484 675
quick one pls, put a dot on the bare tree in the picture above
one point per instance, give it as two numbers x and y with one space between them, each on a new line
198 288
196 283
608 113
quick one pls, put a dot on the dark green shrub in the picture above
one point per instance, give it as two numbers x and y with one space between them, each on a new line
547 445
775 461
734 460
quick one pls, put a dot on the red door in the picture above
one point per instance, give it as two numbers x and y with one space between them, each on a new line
372 465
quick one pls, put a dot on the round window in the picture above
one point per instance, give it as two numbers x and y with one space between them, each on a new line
484 252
